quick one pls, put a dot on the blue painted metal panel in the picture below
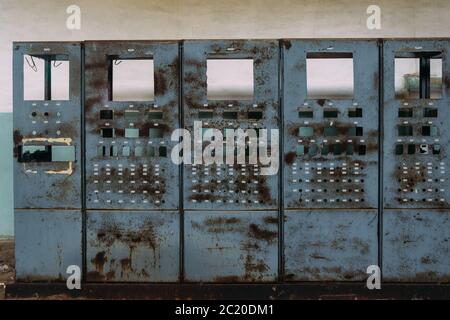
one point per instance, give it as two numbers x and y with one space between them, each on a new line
132 246
46 243
330 200
416 184
47 123
333 245
419 179
330 171
416 245
6 183
122 179
222 186
231 246
48 237
319 170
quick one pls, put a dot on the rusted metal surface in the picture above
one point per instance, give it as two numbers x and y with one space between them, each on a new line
315 178
133 246
47 123
319 171
230 187
130 245
136 228
118 180
46 243
48 232
416 245
417 180
416 185
330 246
232 246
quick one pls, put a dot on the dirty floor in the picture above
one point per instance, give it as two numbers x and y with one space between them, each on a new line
6 263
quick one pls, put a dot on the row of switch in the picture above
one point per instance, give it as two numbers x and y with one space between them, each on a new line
152 133
330 113
126 151
330 131
132 115
334 149
421 148
426 131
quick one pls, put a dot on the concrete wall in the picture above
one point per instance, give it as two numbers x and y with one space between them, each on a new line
36 20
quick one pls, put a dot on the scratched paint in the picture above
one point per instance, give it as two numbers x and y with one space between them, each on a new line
127 180
234 187
416 185
132 246
231 246
330 245
133 230
416 245
47 184
323 171
46 243
416 178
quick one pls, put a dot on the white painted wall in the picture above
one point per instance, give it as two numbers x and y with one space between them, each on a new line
36 20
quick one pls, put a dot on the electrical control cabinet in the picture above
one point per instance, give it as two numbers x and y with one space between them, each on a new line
132 186
330 160
415 160
47 98
221 227
232 186
128 163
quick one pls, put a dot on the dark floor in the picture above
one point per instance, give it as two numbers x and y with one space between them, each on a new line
6 263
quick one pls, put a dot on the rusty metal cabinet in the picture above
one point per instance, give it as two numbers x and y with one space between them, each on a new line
330 161
47 166
415 161
361 179
222 229
132 186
